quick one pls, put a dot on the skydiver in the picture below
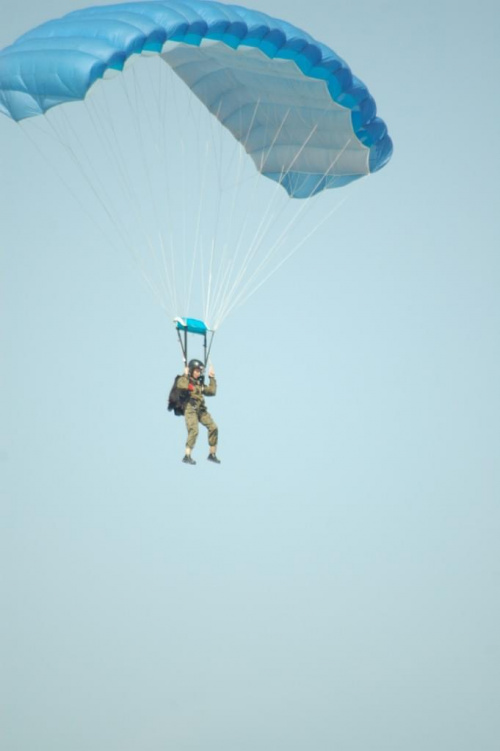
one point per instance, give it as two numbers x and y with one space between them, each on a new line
196 411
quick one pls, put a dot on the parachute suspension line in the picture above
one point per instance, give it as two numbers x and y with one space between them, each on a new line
168 279
62 138
233 265
167 257
159 139
259 238
176 214
276 135
205 287
194 112
216 143
170 267
235 298
186 252
299 152
169 92
210 148
169 275
209 286
218 152
112 146
157 253
153 137
47 133
140 106
174 96
231 281
247 290
252 249
226 266
172 256
250 125
96 186
182 239
192 115
264 223
284 234
197 251
260 232
234 268
242 298
116 163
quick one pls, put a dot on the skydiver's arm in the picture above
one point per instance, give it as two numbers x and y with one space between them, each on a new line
211 389
183 383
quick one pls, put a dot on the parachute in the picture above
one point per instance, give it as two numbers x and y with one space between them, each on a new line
172 113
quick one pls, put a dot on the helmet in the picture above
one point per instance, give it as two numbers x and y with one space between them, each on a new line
195 364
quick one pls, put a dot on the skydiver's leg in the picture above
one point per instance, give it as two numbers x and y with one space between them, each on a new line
191 419
207 420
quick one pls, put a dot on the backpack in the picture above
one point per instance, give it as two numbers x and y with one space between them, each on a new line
177 399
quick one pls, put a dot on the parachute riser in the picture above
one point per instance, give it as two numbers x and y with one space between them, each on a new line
184 346
207 345
207 352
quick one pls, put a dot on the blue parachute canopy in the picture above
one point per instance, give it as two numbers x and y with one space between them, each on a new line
293 104
191 325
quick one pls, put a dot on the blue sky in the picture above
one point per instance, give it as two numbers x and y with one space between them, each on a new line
334 582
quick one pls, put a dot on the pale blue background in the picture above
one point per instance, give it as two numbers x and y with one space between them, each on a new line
334 583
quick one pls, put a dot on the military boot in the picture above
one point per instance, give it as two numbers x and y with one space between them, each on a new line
213 458
188 459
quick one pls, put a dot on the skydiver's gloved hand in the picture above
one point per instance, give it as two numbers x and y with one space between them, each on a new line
186 371
211 372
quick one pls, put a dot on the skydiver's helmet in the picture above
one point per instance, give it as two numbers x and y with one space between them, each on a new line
193 364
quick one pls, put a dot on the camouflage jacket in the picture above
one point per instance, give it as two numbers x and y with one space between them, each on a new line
197 390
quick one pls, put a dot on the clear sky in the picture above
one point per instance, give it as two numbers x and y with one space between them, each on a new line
333 584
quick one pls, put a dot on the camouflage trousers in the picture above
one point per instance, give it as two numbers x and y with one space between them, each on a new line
193 417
